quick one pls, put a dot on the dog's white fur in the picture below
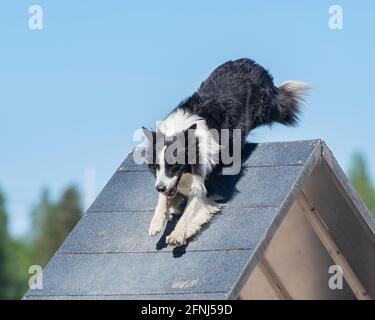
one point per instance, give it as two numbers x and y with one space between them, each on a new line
209 148
234 86
161 177
199 208
180 121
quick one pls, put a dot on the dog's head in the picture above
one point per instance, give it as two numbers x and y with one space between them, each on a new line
169 157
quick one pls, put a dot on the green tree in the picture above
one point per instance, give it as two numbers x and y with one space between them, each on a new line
359 176
19 260
5 280
15 259
53 222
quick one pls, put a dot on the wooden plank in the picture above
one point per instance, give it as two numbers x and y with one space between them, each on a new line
254 154
335 253
178 296
135 191
273 279
142 274
128 232
346 225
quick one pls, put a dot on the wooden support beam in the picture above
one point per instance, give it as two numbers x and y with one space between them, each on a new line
273 279
322 232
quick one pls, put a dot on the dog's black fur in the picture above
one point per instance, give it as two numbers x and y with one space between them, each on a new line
239 94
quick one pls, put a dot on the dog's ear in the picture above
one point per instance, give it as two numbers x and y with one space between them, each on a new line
193 126
150 135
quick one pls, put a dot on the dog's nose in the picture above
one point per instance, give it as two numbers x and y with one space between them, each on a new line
161 187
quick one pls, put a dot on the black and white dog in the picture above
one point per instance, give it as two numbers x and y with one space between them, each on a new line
237 97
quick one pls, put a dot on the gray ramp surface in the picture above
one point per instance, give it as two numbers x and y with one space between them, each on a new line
109 254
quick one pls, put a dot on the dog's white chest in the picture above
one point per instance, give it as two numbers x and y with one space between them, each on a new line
185 184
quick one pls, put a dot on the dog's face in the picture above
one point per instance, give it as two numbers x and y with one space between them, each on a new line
168 160
167 174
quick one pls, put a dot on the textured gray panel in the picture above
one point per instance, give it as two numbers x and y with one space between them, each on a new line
127 191
188 296
129 164
132 191
279 153
259 186
127 232
142 273
132 265
262 154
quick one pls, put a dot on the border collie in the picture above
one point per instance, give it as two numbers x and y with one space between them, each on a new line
237 97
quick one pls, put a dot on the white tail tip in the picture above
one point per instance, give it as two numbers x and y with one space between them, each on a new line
295 86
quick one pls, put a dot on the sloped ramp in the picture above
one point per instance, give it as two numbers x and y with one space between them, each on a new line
109 254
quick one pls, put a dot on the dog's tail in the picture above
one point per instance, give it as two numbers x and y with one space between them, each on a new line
288 102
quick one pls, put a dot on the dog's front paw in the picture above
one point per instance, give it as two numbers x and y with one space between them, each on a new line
176 238
156 226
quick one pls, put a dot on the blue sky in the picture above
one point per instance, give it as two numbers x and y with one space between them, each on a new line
72 94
